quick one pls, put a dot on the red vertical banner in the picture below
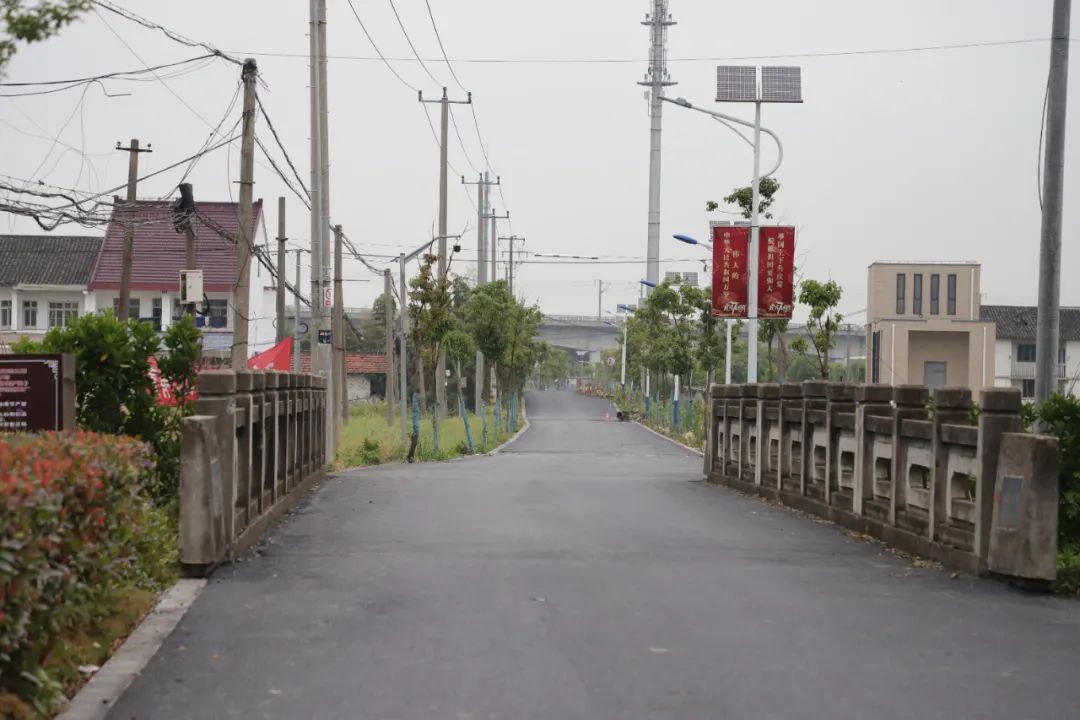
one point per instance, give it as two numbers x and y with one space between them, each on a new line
731 280
776 270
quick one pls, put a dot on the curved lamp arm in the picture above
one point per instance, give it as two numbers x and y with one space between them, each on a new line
726 119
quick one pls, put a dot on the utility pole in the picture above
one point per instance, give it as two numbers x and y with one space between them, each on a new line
494 235
185 218
600 301
656 79
296 318
388 325
317 308
339 399
129 231
444 106
483 187
1049 321
324 226
281 270
510 265
242 292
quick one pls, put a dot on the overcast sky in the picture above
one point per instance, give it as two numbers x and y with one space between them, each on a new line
905 156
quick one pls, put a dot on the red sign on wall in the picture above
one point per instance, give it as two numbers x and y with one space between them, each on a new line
730 287
776 268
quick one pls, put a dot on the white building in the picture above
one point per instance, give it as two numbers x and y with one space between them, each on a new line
1015 349
43 282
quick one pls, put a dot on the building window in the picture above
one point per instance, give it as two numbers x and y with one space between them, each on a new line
62 313
1028 388
935 294
133 307
951 300
1025 352
29 313
155 312
1061 354
901 293
916 294
218 317
5 313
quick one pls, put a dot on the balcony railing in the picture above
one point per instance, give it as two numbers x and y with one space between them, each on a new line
1026 370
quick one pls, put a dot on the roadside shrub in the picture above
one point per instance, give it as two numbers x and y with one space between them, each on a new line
72 521
116 394
1061 417
1068 571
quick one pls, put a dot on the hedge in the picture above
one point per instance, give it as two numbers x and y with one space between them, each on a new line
72 522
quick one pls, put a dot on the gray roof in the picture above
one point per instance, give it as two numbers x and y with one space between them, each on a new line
1018 323
47 259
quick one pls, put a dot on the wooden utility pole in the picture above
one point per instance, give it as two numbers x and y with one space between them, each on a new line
184 217
388 324
338 329
296 317
242 292
281 269
129 230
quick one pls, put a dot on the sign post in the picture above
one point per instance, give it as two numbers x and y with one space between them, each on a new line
37 393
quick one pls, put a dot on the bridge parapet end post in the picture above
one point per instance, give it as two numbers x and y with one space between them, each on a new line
1001 410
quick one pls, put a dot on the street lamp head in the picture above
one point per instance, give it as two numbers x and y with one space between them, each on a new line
686 239
648 283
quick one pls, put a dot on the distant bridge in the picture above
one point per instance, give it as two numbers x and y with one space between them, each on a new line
589 334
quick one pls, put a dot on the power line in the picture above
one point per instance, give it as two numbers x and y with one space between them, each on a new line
63 85
635 60
277 139
171 34
411 46
376 49
442 49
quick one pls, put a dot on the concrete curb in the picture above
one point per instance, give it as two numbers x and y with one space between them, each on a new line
518 434
697 452
108 684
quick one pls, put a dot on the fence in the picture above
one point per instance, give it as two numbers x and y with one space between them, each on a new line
899 464
253 447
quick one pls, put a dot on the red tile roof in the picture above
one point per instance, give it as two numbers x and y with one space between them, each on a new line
355 364
159 249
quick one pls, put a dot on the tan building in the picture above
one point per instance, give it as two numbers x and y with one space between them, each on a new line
924 326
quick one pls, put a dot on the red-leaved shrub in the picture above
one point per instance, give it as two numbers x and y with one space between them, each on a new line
70 510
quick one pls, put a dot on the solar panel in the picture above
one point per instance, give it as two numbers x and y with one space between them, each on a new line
781 84
736 83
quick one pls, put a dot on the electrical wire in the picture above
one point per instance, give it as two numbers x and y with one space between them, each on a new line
694 59
442 48
281 146
411 45
171 34
77 82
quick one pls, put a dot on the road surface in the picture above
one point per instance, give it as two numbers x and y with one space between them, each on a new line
587 572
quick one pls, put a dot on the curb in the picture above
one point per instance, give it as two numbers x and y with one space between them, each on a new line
642 425
108 684
518 434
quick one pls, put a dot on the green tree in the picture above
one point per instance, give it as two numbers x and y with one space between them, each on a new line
823 323
33 22
553 365
768 332
743 197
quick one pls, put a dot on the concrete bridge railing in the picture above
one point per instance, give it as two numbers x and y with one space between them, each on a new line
253 447
901 464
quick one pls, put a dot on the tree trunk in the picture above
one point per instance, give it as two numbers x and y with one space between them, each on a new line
421 381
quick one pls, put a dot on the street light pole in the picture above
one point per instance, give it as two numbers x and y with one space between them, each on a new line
752 261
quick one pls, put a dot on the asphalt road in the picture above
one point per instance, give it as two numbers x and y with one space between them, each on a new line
588 573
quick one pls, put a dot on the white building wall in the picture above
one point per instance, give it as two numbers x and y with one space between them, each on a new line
1003 352
1072 368
42 297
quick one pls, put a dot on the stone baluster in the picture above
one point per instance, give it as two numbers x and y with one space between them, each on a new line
768 396
952 406
870 401
909 404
